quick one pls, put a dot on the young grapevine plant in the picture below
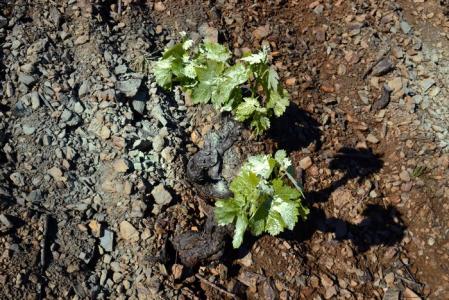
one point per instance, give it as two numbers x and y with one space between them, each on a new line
249 88
262 201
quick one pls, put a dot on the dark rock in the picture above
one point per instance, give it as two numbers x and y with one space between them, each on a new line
384 99
383 67
206 165
194 248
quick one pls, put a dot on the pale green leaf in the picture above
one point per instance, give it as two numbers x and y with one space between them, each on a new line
261 165
216 52
187 44
239 231
283 191
288 211
176 51
273 79
201 93
257 58
226 211
189 71
245 183
246 108
237 74
275 224
278 102
259 217
162 72
282 159
260 123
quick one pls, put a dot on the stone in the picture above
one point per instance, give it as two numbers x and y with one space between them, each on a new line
159 6
78 107
383 67
120 69
405 176
158 114
28 68
35 100
305 163
395 84
261 32
105 133
17 179
139 106
389 279
326 281
138 209
444 161
95 228
426 84
66 115
107 240
57 174
27 79
6 221
168 154
371 138
3 22
405 27
128 232
209 33
82 39
364 96
177 270
121 165
410 295
161 195
158 143
129 87
330 292
84 88
28 130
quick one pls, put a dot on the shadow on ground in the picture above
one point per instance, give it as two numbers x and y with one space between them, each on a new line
295 129
380 226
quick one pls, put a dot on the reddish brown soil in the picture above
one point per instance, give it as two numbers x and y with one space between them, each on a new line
300 40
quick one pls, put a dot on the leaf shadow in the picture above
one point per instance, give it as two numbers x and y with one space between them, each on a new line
380 225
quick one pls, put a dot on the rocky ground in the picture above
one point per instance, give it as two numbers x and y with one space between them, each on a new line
95 197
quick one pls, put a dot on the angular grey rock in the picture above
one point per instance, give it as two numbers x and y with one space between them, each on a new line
5 221
138 106
158 114
35 196
28 130
405 27
427 84
26 79
66 115
120 69
158 143
161 196
84 88
17 179
129 87
35 100
78 107
107 240
3 22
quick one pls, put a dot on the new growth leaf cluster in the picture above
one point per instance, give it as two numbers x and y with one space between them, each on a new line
263 200
249 88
